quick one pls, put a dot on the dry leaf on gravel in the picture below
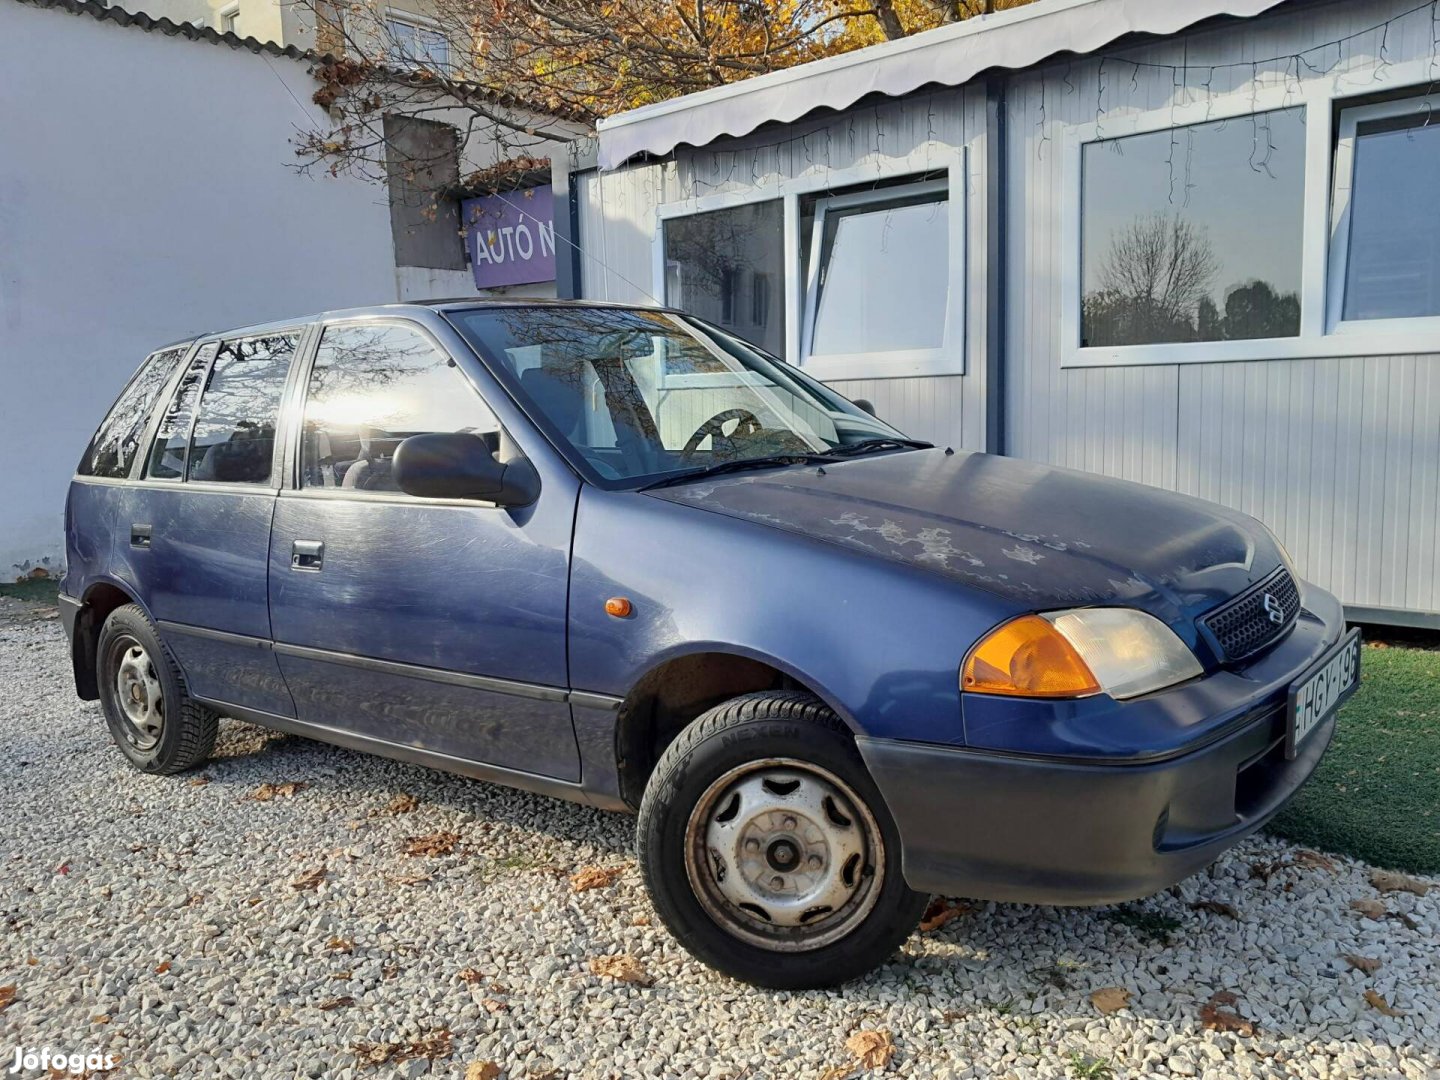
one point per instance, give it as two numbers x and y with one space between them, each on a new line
1379 1004
1368 964
490 1005
1216 1017
482 1070
437 1044
640 920
330 1004
200 781
409 879
102 1018
472 976
594 877
1216 907
1313 860
1387 881
1400 916
940 911
340 944
873 1049
1110 999
402 803
266 792
311 880
162 967
7 996
623 967
440 843
1371 909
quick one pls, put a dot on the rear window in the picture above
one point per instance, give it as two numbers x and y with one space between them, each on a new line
113 449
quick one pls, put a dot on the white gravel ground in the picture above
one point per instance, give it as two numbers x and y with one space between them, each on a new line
156 920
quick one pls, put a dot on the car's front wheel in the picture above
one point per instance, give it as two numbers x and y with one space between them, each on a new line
768 850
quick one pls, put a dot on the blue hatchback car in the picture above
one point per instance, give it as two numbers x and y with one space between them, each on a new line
620 556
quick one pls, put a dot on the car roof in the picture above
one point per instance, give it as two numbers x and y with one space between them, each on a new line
459 303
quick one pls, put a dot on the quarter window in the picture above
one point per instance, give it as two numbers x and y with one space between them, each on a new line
167 452
234 436
710 258
1194 233
113 449
1392 268
373 386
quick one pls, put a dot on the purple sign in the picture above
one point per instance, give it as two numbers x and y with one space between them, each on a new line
511 237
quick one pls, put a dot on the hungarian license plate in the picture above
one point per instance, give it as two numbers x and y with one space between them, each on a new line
1316 695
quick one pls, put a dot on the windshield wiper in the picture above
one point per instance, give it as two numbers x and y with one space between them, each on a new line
870 446
769 461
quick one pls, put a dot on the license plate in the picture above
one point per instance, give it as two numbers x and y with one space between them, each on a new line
1316 695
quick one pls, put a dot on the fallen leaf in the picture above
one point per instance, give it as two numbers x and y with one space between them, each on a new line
402 804
266 792
340 944
873 1049
940 911
409 879
472 976
1216 907
482 1070
1215 1017
1379 1004
436 1044
7 996
200 781
102 1018
311 880
623 967
594 877
640 920
1400 916
1387 881
162 967
331 1004
342 976
1313 860
1110 999
1371 909
1368 964
490 1005
440 843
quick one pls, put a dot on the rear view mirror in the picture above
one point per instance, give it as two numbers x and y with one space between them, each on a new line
458 465
864 406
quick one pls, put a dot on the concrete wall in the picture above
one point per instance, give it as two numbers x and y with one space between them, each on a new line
147 192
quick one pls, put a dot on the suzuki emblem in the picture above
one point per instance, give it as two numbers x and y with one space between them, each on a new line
1274 610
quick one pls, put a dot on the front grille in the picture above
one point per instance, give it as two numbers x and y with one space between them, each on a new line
1245 625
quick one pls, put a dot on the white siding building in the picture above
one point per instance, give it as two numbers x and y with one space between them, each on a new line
1191 243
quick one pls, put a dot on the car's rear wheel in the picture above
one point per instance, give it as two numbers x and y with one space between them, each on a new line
768 850
153 720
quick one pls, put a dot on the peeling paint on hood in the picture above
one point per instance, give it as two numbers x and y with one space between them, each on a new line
1042 536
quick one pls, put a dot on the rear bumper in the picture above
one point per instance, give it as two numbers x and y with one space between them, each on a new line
1043 829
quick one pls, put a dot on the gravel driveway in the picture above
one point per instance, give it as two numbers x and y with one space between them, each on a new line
207 925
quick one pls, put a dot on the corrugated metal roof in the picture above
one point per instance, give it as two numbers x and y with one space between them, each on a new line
1016 38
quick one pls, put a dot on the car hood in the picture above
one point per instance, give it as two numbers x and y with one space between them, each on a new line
1042 536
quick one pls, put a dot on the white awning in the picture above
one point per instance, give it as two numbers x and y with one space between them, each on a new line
1016 38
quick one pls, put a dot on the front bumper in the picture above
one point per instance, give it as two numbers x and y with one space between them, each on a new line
1044 829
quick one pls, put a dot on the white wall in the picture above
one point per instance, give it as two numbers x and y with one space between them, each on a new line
146 193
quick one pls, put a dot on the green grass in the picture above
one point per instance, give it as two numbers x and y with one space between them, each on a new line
1376 794
39 590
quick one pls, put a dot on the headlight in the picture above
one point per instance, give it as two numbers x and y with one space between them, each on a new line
1118 651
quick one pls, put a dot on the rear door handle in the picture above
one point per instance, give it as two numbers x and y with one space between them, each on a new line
140 536
307 555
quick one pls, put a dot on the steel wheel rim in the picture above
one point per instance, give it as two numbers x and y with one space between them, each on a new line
139 696
784 855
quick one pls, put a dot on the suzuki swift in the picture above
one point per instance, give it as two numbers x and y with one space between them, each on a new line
620 556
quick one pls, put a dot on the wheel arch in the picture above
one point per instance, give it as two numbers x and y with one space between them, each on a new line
680 687
98 600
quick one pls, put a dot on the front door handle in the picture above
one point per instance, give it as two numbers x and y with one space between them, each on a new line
307 555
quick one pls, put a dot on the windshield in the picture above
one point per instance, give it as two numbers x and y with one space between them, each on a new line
634 396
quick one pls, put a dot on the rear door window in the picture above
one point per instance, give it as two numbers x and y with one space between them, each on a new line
112 451
167 452
374 385
234 437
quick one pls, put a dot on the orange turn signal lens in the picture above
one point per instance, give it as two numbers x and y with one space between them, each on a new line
1030 658
619 607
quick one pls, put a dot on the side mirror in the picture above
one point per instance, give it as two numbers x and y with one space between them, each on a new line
864 405
459 465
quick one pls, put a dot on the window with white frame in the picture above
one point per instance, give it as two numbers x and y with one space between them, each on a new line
229 17
877 275
416 42
713 258
1193 233
1386 258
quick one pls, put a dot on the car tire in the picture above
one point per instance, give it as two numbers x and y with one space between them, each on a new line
767 849
151 716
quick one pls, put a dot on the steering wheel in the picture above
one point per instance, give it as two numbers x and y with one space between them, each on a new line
749 424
